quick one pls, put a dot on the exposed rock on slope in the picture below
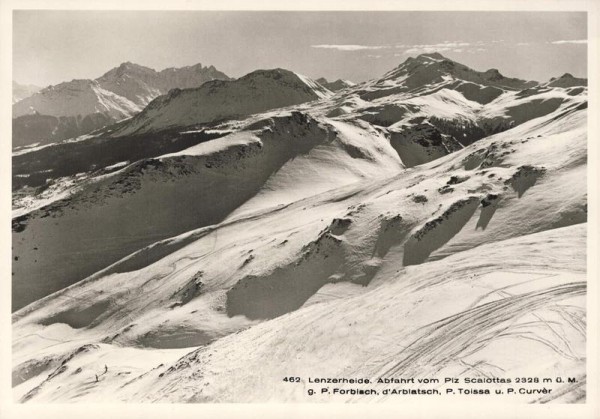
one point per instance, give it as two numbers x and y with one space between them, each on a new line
422 143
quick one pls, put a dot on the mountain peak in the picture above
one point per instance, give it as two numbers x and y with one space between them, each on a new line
128 65
197 67
286 78
425 58
270 72
433 68
200 67
126 68
567 80
279 74
334 86
434 55
492 71
493 74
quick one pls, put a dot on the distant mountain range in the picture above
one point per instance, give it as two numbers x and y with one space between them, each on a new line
78 107
21 91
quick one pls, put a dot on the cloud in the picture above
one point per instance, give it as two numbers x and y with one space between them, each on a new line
475 50
439 47
415 49
521 44
409 49
425 50
350 47
575 41
454 44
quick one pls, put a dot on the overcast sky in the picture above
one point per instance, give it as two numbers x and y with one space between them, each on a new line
55 46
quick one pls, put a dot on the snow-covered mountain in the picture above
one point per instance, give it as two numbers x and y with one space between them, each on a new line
428 69
218 100
58 112
76 98
429 223
141 84
432 106
21 91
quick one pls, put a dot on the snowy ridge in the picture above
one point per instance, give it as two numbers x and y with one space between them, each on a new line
321 91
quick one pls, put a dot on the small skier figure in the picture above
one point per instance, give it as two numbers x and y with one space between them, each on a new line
105 369
96 377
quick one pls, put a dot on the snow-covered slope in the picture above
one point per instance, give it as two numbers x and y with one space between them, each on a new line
77 97
282 159
256 92
308 243
21 91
